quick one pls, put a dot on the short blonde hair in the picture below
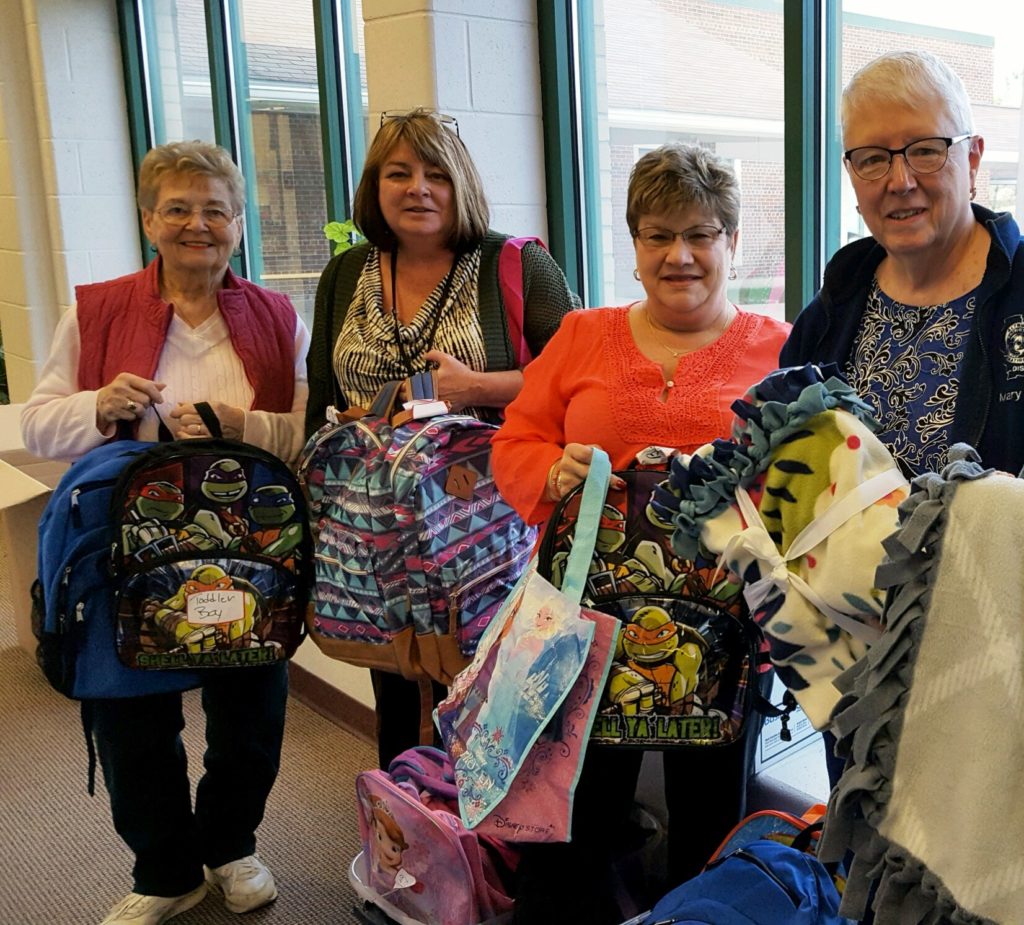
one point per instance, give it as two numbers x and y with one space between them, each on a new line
189 157
912 78
677 176
434 144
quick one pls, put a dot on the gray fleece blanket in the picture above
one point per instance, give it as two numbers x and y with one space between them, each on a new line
932 718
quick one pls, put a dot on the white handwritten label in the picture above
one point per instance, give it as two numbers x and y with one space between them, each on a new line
205 607
404 879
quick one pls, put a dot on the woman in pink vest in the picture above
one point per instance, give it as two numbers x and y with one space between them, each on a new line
136 353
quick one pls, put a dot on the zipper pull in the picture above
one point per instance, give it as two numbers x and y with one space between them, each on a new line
79 615
76 514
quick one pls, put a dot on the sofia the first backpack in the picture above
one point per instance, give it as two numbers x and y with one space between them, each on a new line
419 863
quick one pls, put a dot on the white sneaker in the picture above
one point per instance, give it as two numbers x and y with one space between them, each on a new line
137 909
245 883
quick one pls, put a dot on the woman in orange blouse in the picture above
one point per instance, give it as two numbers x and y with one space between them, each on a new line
662 371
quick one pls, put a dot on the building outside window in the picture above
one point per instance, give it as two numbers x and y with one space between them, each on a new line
711 72
270 61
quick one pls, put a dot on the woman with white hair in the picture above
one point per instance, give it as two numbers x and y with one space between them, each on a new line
934 298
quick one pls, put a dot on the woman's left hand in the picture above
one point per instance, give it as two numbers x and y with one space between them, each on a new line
457 384
190 425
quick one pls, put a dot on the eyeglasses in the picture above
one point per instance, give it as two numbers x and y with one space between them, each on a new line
449 122
927 155
182 215
699 237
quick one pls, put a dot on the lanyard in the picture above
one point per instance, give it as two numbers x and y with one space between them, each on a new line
445 289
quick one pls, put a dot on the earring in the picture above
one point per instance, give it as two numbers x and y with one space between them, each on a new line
152 247
858 209
636 274
732 272
974 193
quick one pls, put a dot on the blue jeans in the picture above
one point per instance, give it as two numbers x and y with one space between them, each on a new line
145 768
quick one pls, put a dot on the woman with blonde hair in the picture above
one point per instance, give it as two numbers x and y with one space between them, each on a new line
139 352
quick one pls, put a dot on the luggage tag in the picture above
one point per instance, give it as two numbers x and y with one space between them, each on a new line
424 402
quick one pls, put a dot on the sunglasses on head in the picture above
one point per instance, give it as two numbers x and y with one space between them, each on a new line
449 122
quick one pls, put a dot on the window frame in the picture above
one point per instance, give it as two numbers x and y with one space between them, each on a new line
812 196
341 108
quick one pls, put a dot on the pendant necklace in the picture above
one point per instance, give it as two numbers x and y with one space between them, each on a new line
438 309
676 354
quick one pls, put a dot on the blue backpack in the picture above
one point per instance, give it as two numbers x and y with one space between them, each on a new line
184 555
763 883
73 597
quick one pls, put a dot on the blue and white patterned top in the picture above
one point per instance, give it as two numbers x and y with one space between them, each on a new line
906 364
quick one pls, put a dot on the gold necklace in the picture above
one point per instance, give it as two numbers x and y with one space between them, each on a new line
718 330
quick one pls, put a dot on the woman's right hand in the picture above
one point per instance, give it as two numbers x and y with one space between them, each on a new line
571 470
126 398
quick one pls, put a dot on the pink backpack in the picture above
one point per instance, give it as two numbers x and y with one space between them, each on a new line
419 863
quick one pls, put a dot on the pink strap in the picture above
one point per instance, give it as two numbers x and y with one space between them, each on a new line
510 278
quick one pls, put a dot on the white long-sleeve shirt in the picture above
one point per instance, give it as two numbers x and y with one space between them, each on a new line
196 364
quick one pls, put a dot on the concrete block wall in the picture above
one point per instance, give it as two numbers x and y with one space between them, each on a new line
477 60
66 188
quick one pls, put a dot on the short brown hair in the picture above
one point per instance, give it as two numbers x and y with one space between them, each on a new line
438 146
189 157
676 176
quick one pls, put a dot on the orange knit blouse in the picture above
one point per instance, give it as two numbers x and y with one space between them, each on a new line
591 384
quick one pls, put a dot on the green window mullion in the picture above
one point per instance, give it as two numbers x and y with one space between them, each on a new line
561 146
133 62
332 79
355 115
803 150
591 157
833 146
229 91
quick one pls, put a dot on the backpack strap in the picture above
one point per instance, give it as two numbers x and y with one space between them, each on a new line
510 279
210 419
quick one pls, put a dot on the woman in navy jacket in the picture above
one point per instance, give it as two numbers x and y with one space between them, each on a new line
935 297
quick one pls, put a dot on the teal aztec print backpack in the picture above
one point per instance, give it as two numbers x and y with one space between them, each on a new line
415 548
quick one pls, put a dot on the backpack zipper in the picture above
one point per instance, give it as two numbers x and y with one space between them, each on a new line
397 461
464 589
327 435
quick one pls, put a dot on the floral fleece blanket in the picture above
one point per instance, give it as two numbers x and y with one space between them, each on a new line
931 718
795 505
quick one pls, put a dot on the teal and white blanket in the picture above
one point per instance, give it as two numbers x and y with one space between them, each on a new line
932 717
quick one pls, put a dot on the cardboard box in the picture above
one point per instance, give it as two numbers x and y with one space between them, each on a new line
25 485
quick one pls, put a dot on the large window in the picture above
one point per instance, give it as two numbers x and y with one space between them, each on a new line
988 59
714 72
707 72
252 76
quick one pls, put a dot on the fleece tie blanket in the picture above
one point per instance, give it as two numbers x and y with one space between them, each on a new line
796 505
930 720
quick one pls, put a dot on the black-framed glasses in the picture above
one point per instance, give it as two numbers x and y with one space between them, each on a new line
449 122
181 215
926 155
699 237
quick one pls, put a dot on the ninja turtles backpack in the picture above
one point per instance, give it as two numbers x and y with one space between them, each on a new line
159 559
686 662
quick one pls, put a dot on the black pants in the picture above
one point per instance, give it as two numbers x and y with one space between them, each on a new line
146 773
400 716
705 793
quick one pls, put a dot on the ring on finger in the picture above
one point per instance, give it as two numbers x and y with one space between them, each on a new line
132 406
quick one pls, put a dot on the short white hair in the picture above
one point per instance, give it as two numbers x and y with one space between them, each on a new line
916 78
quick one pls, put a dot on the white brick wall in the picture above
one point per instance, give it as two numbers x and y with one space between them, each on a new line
478 60
66 188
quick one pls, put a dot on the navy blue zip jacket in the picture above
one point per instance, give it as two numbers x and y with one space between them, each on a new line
990 406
